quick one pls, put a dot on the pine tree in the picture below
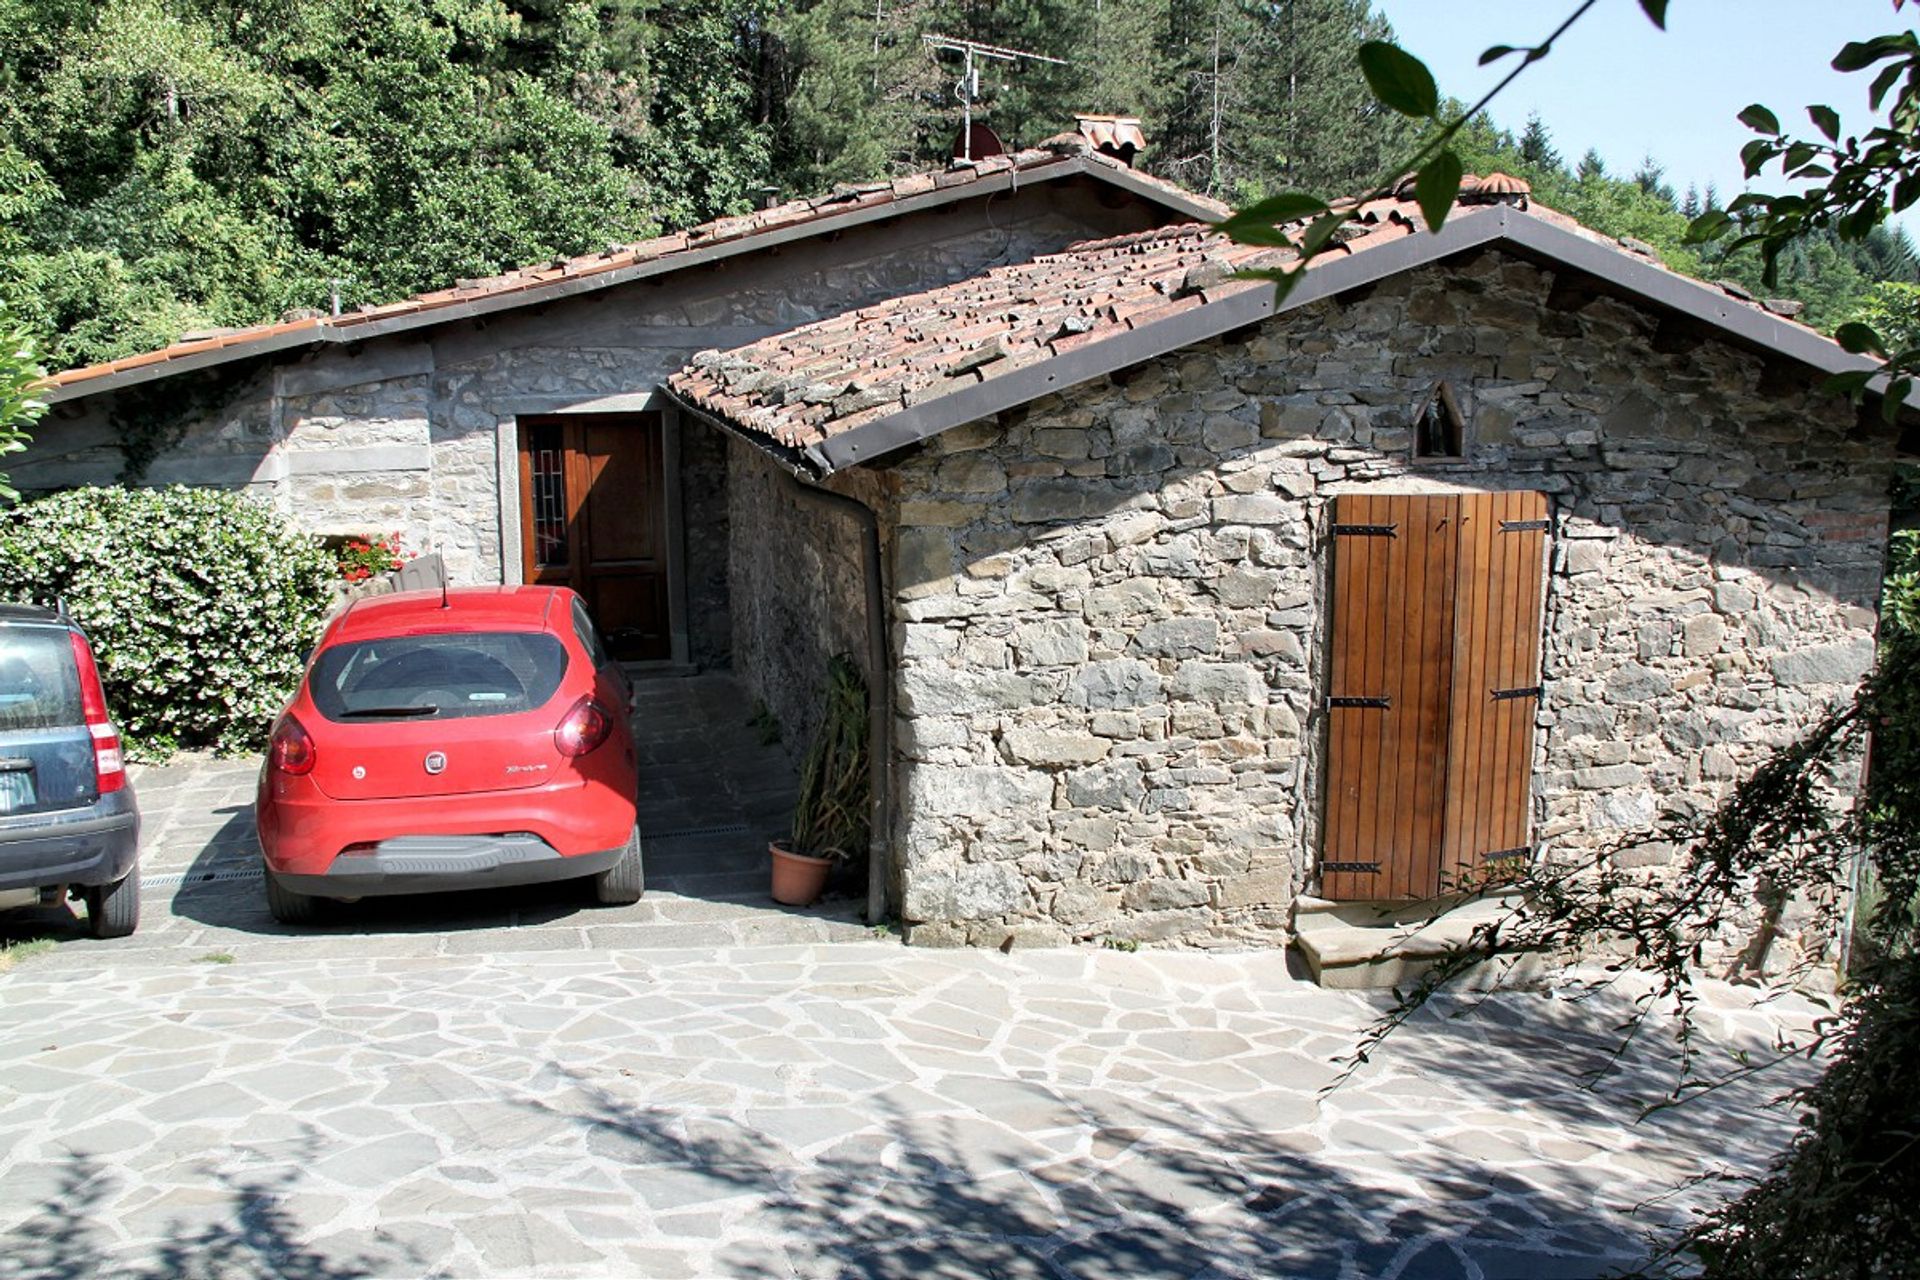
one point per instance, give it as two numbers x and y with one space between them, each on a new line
1591 166
1266 96
1536 147
1650 177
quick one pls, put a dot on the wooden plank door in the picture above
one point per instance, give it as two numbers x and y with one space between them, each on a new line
1496 681
1391 673
1435 610
593 517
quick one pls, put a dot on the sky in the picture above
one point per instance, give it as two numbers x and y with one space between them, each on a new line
1618 84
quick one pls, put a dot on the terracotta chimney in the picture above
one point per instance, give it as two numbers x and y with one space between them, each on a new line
1116 136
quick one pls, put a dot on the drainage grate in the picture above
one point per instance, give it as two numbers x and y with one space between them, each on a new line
183 879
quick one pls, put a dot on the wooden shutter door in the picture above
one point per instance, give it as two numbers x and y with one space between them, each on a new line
1496 680
1391 673
1433 673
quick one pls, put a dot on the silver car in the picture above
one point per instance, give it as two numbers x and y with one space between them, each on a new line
69 825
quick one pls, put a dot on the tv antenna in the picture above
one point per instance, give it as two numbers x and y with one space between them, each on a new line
968 89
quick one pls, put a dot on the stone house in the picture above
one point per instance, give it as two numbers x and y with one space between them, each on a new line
1176 603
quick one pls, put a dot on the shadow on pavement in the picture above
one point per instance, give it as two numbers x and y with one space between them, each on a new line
954 1198
256 1236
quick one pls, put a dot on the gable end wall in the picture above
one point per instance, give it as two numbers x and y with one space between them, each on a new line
1109 618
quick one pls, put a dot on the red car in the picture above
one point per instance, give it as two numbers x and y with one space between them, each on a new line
456 740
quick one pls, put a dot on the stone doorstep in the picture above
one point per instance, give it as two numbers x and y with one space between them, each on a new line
1375 945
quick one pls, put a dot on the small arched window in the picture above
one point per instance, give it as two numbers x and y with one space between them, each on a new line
1439 430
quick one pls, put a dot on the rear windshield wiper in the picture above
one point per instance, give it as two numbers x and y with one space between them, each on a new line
391 711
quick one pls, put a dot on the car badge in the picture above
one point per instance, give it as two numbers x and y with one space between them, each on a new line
359 772
436 761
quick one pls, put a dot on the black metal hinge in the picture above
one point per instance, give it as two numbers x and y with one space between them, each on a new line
1366 530
1350 868
1501 855
1525 526
1369 704
1507 695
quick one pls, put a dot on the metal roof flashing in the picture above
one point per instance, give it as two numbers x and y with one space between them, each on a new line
356 327
1494 226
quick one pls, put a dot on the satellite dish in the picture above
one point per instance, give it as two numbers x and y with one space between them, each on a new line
976 142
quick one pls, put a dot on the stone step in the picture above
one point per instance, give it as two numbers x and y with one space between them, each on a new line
1364 946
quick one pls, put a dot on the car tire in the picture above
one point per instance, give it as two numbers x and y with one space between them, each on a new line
287 906
622 883
113 910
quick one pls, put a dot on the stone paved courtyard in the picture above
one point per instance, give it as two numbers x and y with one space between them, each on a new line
520 1084
852 1109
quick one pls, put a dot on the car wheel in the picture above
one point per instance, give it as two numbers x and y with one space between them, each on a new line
113 910
287 906
622 883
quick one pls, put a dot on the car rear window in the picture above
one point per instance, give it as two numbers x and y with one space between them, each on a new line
39 686
437 677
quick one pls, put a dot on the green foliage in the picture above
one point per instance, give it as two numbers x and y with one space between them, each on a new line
1257 99
1847 187
201 605
1892 309
20 408
706 155
1839 1201
830 815
174 166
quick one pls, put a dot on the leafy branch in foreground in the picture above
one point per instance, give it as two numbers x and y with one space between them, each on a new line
1839 1200
1857 181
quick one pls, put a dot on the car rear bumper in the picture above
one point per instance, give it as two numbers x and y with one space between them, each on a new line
305 834
432 864
92 846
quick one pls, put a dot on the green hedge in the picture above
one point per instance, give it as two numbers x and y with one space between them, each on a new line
201 604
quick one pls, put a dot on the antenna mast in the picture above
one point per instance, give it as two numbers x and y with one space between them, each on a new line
968 89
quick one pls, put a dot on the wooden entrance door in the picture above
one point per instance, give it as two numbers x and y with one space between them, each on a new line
593 517
1434 682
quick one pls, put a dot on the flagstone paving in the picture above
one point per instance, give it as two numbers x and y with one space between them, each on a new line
711 794
523 1084
850 1109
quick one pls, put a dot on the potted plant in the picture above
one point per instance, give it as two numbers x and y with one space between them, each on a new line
830 813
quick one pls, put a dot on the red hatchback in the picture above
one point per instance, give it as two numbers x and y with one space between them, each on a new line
462 741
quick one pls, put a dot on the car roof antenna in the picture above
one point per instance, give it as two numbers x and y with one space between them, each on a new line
442 560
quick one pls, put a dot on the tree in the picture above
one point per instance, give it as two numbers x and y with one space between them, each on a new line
175 165
1536 145
1263 98
1650 177
845 79
20 407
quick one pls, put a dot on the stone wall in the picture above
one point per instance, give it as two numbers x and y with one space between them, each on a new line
708 526
798 591
1108 614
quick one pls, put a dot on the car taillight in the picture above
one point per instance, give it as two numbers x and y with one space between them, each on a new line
291 748
584 727
109 761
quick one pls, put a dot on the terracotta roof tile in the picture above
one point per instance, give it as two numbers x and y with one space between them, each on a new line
913 349
907 350
614 258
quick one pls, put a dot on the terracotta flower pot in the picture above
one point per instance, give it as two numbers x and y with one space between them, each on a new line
798 878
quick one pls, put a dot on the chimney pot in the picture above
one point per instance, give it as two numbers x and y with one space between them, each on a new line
1118 137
